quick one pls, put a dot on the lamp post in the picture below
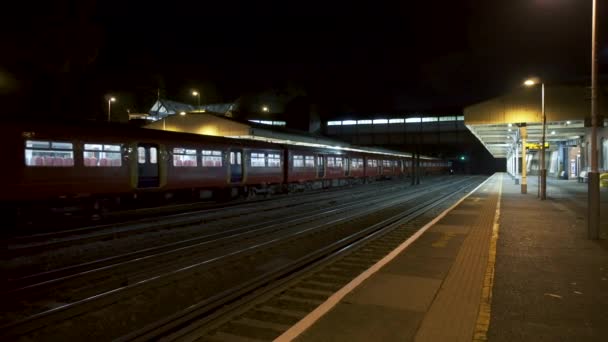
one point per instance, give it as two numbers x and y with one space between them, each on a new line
198 99
110 100
543 171
593 191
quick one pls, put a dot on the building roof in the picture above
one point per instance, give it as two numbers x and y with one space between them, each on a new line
217 125
164 107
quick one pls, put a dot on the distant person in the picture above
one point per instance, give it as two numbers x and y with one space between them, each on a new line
451 172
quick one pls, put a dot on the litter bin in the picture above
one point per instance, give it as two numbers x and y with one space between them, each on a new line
604 180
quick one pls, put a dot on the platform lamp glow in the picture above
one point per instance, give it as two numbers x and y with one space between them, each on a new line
110 100
265 109
198 99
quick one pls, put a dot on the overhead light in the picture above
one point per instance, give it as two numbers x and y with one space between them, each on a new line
510 130
552 132
510 125
568 122
182 113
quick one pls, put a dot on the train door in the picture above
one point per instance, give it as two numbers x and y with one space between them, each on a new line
236 166
346 167
147 166
320 167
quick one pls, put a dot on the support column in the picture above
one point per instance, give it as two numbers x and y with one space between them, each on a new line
516 163
524 180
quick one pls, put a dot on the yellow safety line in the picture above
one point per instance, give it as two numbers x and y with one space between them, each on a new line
485 307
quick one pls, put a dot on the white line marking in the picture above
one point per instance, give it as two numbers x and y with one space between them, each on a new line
332 301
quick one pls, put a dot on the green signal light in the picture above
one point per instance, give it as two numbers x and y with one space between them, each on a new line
463 157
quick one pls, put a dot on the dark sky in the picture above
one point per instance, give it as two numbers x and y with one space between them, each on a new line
64 56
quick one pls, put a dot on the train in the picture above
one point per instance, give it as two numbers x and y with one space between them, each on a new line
103 166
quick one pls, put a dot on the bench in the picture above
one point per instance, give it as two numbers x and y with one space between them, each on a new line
582 177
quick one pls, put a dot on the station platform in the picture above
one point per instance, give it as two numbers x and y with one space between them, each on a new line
497 266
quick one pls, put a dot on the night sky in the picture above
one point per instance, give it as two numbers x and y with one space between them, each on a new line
63 57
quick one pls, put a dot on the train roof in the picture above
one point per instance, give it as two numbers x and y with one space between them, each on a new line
210 124
245 134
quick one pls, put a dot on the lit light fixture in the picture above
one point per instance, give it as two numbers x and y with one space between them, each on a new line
194 93
568 122
110 100
182 113
510 125
264 108
510 130
530 82
552 132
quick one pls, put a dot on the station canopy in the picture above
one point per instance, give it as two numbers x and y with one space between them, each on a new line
496 122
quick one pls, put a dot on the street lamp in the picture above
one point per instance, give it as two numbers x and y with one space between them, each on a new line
265 109
198 99
593 190
543 171
110 100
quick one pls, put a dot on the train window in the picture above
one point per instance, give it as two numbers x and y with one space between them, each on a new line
48 153
386 163
274 160
298 161
214 158
141 155
320 160
338 161
331 161
183 157
258 160
356 163
153 155
309 161
238 158
102 155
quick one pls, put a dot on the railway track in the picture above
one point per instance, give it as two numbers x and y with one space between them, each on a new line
105 271
105 267
29 244
86 254
142 283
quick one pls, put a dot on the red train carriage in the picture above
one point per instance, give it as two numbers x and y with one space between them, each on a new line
261 169
373 166
52 163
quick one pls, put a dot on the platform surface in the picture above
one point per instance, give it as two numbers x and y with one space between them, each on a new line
500 266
